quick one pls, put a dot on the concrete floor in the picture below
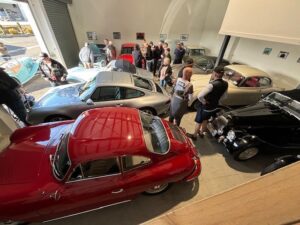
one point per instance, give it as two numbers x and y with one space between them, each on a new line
220 172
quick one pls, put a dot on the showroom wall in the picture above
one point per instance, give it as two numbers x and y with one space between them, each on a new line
154 17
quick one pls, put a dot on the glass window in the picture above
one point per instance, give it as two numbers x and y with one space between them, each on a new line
130 162
99 168
126 50
128 93
62 161
106 94
251 82
87 89
142 83
233 76
77 174
264 82
197 52
155 136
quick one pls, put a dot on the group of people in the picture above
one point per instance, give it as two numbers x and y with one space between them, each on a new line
209 98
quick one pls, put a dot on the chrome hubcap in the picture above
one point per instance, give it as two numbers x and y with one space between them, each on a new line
157 188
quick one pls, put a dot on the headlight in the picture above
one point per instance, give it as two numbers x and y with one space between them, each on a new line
231 135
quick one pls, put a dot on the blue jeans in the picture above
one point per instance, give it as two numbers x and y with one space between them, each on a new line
163 83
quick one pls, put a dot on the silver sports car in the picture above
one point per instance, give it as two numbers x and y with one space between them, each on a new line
106 89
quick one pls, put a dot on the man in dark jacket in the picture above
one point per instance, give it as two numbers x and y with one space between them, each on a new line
179 53
53 70
10 96
209 98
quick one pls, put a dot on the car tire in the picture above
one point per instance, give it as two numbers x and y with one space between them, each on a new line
149 111
157 189
246 153
56 118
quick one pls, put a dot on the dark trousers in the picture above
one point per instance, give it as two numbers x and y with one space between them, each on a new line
17 106
177 119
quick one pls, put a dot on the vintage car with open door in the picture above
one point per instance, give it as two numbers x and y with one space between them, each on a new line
106 156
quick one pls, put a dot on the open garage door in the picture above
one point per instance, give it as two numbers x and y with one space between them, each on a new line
59 18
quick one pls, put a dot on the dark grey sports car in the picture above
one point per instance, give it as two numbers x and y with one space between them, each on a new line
106 89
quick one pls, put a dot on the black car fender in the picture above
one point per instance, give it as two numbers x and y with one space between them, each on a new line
245 141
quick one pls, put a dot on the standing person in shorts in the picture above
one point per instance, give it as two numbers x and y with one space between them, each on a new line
183 92
209 98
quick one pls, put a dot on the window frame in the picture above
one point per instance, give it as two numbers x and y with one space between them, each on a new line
91 178
135 167
109 86
126 88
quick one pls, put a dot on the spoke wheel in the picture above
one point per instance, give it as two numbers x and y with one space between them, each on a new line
157 189
148 111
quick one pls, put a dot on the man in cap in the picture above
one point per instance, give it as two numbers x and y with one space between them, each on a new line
53 70
209 98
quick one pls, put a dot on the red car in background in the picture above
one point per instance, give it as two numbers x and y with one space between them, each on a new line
126 52
105 156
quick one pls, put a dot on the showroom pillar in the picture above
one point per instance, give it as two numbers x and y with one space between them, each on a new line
223 49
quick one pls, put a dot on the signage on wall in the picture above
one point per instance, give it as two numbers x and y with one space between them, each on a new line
163 37
140 36
184 37
91 35
116 35
267 51
283 54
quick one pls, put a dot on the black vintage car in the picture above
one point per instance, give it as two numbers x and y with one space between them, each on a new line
272 124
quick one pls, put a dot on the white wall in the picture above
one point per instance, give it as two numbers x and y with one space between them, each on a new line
171 17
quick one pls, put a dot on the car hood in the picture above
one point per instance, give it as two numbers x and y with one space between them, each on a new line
62 95
20 163
260 114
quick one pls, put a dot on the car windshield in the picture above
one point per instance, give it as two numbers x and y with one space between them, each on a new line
142 83
126 50
155 136
285 103
197 52
233 76
62 162
87 89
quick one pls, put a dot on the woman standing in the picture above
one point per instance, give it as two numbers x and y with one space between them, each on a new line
165 72
183 92
137 56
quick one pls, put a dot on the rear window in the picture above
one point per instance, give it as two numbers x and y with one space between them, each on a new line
155 136
176 133
158 88
142 83
126 50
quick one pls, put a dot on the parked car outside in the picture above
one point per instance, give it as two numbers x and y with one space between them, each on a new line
80 74
272 124
23 69
70 167
126 52
246 85
203 65
106 89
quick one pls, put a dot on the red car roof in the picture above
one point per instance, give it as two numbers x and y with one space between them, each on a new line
105 132
128 45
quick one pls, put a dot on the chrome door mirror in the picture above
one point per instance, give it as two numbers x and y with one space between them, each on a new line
90 102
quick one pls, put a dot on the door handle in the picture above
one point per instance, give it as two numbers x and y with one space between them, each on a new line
118 191
55 195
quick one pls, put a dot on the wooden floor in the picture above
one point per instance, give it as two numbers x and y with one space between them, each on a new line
273 199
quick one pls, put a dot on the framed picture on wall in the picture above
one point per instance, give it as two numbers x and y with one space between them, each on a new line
184 37
116 35
283 54
267 51
140 36
163 37
91 35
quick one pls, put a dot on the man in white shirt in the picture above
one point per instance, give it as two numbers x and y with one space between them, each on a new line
209 98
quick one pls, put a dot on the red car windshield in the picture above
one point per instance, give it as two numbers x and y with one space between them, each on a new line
155 136
62 161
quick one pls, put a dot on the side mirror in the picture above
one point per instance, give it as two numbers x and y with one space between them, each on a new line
90 102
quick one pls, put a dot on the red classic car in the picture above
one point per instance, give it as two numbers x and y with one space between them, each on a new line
106 156
126 52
